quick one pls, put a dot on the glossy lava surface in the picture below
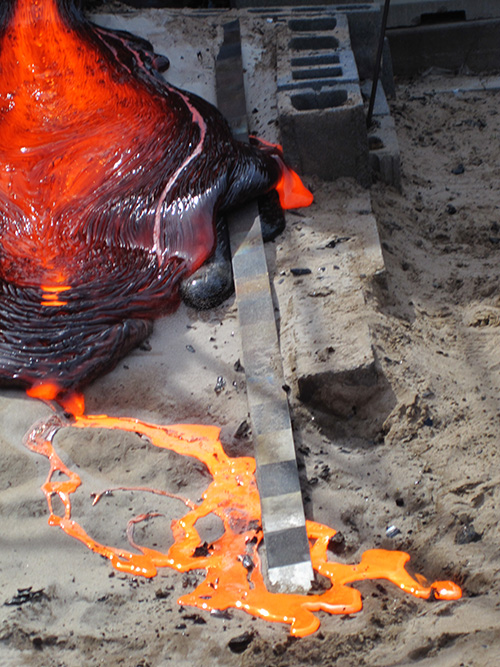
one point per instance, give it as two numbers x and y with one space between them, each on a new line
110 181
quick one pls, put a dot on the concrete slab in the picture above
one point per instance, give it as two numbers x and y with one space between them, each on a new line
328 359
385 159
383 144
286 544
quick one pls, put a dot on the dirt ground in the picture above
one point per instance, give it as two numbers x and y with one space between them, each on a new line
420 457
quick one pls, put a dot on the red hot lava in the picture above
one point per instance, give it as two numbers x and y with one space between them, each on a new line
111 181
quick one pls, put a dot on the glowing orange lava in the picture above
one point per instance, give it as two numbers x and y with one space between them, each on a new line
291 191
233 573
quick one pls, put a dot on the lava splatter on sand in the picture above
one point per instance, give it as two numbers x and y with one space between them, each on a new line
232 563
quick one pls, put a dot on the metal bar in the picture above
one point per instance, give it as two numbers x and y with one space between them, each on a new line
289 566
378 58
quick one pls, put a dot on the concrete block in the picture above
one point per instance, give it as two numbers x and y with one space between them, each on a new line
364 22
325 338
471 45
324 131
321 112
364 19
316 60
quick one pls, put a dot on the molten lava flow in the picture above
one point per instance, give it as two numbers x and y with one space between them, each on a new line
292 192
232 564
110 184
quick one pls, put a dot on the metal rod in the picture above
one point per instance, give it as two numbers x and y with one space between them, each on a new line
289 567
376 70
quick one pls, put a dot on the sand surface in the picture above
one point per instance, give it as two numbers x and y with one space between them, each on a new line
421 457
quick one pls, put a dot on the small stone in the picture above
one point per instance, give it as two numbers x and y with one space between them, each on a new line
300 272
339 239
392 531
459 169
238 367
243 430
467 534
451 209
25 595
219 385
224 614
163 593
190 348
202 551
247 563
195 618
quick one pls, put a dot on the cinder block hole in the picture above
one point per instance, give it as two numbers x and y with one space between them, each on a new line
308 61
442 17
313 24
313 43
260 10
319 100
316 73
338 8
321 8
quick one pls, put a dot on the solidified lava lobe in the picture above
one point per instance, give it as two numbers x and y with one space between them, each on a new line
110 182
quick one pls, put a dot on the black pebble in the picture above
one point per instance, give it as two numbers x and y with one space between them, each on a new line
219 385
467 534
459 169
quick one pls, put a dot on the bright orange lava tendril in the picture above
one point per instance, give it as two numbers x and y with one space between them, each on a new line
291 191
232 496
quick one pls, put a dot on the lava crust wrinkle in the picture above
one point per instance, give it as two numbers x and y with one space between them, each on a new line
110 184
